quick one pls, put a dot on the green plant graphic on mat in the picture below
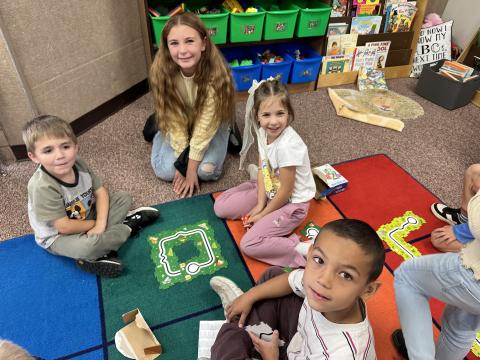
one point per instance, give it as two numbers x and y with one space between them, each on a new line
310 230
185 253
395 232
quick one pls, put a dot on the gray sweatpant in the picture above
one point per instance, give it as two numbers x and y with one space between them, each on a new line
91 247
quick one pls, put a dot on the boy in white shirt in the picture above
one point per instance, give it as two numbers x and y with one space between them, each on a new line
341 273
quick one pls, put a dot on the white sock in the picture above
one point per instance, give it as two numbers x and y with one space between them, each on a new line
303 246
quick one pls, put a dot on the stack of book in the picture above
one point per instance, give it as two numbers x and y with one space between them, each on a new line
456 71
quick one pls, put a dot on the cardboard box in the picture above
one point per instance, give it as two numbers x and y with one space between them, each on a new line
443 91
328 181
136 340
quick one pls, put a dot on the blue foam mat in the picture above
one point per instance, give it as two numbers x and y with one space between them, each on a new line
39 288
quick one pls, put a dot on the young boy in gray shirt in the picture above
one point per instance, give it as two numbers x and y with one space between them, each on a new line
70 211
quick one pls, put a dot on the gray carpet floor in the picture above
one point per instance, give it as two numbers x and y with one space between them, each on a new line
435 149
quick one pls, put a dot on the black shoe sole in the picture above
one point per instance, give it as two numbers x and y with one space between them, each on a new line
101 268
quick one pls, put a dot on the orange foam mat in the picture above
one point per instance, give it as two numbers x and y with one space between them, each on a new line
320 213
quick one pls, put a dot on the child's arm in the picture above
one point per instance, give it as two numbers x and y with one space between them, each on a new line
67 226
102 206
287 179
270 289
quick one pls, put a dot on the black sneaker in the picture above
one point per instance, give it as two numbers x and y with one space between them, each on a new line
399 343
105 266
141 217
449 215
234 140
150 128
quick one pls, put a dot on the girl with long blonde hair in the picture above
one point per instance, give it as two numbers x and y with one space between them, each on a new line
194 104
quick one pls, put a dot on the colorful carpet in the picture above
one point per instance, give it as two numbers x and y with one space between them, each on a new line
384 195
58 312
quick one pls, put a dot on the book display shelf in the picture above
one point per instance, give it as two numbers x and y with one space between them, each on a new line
399 60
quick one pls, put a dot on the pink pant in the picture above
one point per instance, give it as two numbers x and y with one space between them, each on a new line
271 239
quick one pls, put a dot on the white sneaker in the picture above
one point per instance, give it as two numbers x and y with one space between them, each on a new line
226 289
252 171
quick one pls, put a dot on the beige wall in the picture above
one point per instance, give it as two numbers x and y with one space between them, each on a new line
71 57
466 20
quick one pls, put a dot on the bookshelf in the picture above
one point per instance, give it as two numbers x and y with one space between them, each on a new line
400 57
399 61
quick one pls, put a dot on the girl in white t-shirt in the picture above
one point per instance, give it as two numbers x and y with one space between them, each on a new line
272 206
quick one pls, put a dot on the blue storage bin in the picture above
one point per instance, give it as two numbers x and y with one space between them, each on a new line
243 76
281 69
305 70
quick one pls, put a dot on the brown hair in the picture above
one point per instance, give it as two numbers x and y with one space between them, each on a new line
212 72
46 126
272 88
365 237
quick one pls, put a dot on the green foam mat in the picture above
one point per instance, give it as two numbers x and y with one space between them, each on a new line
179 306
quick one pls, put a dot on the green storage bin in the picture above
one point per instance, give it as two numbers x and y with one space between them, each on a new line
279 21
245 27
216 24
158 23
312 19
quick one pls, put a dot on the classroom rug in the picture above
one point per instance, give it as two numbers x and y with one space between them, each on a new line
56 311
385 196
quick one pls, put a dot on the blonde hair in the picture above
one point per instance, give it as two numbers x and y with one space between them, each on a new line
211 71
46 126
268 89
10 351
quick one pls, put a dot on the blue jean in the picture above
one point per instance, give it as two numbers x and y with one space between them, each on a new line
209 169
443 277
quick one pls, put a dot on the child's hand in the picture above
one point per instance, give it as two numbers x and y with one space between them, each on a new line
191 183
444 239
254 215
96 230
240 306
268 349
254 219
246 222
178 182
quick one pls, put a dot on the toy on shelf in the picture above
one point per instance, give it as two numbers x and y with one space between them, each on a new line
207 10
298 54
268 57
163 11
233 6
244 62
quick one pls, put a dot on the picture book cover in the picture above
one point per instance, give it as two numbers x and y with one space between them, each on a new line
335 64
400 17
364 57
367 10
371 79
337 29
366 2
339 8
342 44
381 48
366 25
